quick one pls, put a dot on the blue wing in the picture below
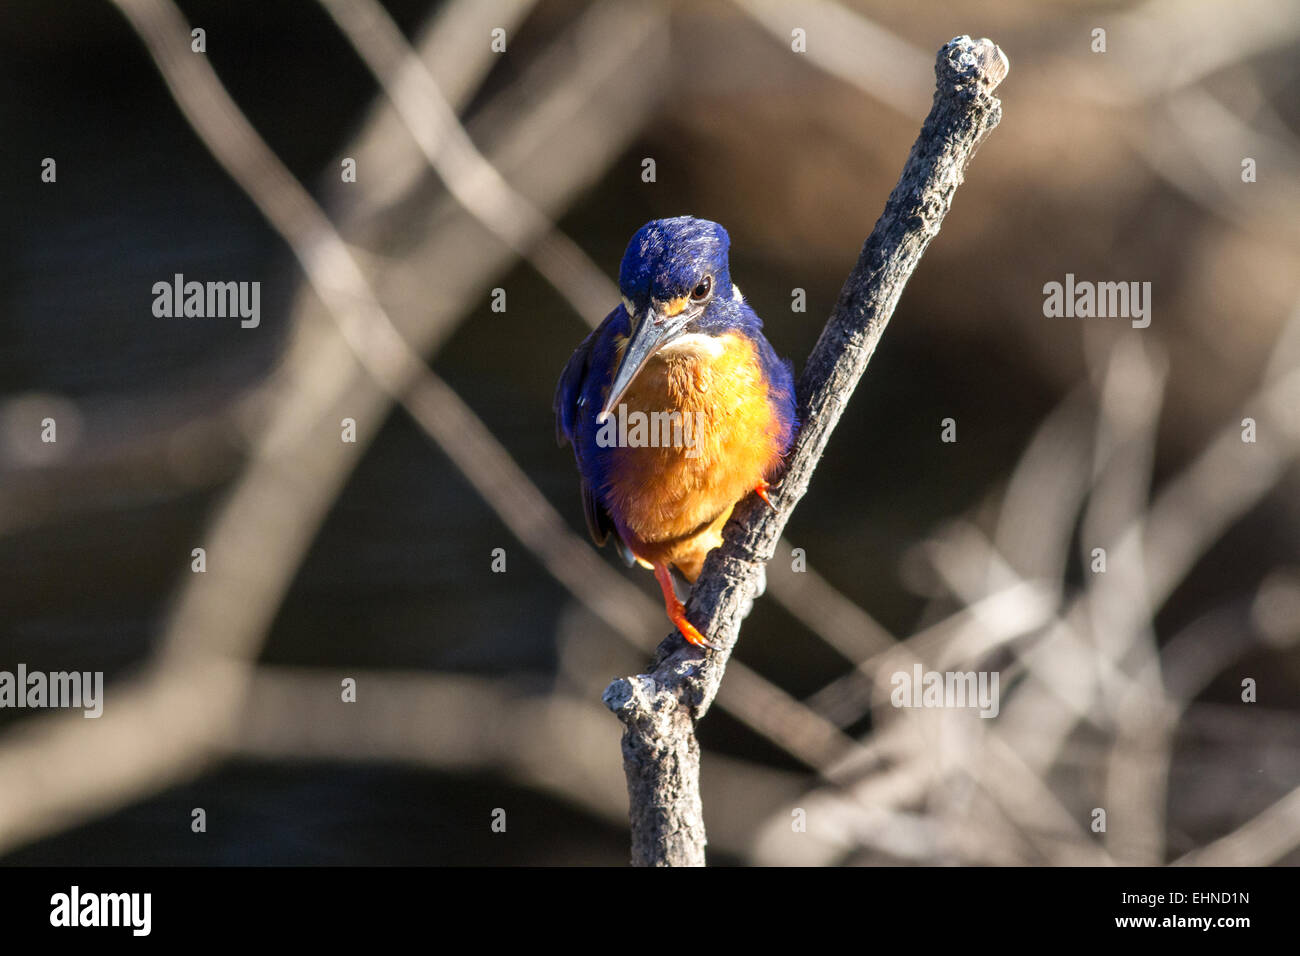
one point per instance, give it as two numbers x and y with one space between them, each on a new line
779 373
582 383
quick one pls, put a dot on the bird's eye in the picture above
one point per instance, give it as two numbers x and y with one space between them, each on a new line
701 291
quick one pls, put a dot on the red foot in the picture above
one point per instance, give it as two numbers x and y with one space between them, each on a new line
676 610
761 490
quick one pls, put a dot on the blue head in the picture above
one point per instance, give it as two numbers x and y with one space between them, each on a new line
675 281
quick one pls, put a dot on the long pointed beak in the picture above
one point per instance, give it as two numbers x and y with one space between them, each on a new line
658 326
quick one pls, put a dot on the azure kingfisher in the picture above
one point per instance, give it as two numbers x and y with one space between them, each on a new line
685 354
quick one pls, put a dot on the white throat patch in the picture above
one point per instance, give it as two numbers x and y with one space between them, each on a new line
694 345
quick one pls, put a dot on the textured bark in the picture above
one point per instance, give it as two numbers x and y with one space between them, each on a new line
659 709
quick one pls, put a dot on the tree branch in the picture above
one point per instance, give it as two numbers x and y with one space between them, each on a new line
659 709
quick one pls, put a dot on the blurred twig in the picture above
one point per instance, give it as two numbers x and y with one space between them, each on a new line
852 47
1262 840
475 182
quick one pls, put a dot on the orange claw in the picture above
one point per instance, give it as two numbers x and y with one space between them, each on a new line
760 489
676 610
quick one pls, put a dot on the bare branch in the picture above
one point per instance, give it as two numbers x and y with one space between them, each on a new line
660 708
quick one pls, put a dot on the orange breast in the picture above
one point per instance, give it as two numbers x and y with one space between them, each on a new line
673 497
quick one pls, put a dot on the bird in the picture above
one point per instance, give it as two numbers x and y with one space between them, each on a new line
676 405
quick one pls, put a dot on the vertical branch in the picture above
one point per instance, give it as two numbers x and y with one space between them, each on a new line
661 756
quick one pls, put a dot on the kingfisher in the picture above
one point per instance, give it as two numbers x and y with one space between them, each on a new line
676 405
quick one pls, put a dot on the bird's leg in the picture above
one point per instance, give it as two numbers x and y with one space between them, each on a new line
676 610
760 489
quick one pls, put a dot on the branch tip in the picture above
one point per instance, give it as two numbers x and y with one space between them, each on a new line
964 61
